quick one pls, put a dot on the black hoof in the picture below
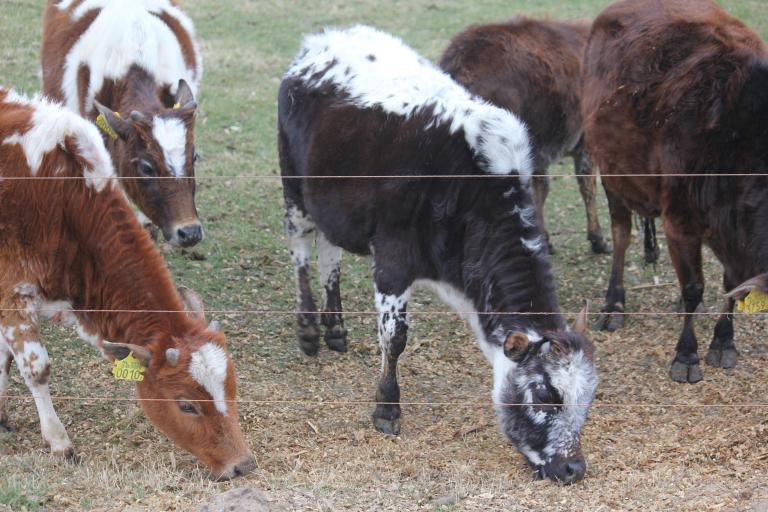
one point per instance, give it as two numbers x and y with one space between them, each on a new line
385 426
336 338
610 321
599 245
725 358
685 372
309 339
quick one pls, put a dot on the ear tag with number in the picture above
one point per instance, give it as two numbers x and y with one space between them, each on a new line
128 369
755 302
176 106
102 123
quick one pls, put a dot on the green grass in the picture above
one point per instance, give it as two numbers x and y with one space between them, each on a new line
247 45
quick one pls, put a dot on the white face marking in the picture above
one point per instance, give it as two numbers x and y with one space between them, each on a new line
527 215
127 33
171 134
208 367
51 124
379 70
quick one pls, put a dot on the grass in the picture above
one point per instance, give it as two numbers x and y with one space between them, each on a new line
447 457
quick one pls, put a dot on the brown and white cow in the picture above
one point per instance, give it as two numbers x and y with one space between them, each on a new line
533 68
676 91
72 242
137 63
359 102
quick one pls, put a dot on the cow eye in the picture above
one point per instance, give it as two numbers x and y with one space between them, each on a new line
146 169
186 407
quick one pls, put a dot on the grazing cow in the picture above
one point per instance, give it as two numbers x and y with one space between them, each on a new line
71 241
359 103
136 67
676 88
533 68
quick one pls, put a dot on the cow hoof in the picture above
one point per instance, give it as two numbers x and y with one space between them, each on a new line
600 246
67 454
610 321
685 372
336 338
309 339
725 358
309 347
385 426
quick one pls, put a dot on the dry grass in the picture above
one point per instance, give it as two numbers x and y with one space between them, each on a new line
328 457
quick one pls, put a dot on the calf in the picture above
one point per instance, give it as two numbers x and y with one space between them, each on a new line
71 241
358 103
136 65
533 68
676 94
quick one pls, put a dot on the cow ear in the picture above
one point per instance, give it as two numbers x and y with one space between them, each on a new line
559 347
580 326
193 304
184 97
515 344
759 283
111 123
122 350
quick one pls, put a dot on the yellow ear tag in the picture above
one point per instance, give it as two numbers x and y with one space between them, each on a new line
128 369
176 106
102 123
755 302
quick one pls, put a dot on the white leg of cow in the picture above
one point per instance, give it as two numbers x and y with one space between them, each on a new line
300 231
6 358
393 333
329 268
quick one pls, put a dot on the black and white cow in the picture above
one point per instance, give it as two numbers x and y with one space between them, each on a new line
359 103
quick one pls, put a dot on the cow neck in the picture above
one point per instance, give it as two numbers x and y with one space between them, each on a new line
121 272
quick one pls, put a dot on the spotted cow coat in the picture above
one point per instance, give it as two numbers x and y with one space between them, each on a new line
359 103
72 242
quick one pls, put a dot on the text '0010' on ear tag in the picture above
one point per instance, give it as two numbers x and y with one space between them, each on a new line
128 369
755 302
101 122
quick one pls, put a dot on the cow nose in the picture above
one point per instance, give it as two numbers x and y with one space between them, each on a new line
190 234
569 471
245 466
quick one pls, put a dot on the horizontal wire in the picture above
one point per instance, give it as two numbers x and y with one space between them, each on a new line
479 403
363 313
380 177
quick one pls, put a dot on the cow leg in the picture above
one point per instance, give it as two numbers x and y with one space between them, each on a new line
540 193
722 352
391 303
329 268
686 256
300 231
588 187
612 317
6 359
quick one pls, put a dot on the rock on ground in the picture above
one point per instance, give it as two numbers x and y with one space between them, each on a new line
242 499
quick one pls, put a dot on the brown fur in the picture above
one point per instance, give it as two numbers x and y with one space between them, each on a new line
676 87
73 243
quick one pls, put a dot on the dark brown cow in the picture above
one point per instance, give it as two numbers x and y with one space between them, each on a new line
679 87
137 63
533 68
74 243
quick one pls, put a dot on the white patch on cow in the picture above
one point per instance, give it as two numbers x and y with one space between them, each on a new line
51 125
527 215
328 262
123 34
378 70
208 366
576 381
299 230
7 334
171 134
531 455
34 359
534 245
60 310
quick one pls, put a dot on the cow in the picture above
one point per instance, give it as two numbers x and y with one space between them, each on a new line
358 105
73 250
675 105
533 68
135 68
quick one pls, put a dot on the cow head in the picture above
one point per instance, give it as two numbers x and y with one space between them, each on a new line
189 393
554 377
160 144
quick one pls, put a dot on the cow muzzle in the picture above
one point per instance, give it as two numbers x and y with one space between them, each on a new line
240 468
185 235
566 470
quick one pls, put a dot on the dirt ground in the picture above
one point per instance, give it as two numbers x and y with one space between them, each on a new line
650 444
